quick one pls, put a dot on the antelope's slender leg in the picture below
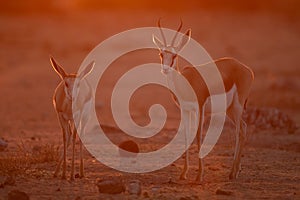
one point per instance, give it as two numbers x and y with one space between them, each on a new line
239 147
61 158
236 114
58 165
73 151
186 119
236 151
243 135
81 131
85 116
64 127
200 174
81 172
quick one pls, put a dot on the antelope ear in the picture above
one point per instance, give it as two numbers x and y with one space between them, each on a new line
157 42
57 68
184 40
88 69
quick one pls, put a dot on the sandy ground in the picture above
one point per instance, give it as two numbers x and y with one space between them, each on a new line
267 42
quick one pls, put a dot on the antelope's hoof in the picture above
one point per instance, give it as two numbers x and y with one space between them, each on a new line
79 176
199 179
232 176
183 177
63 177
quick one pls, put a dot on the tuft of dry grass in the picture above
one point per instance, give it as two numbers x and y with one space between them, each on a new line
26 157
13 164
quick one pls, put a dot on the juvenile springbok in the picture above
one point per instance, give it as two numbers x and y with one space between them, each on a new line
237 80
63 98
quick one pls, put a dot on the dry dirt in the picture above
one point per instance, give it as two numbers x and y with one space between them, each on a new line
267 42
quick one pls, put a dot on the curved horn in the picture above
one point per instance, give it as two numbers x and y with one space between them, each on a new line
161 32
179 28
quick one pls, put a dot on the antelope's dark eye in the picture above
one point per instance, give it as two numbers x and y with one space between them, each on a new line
161 55
67 84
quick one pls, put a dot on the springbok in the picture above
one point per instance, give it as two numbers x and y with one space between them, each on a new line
65 93
237 80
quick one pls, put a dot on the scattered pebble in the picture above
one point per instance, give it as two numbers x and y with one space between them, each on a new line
170 180
3 145
36 149
155 189
128 146
224 192
17 195
146 194
111 186
185 198
10 180
213 168
6 180
77 175
134 187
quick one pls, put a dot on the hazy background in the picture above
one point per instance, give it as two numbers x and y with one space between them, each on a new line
287 7
262 34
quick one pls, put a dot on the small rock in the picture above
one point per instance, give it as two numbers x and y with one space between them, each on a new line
10 181
212 168
128 146
111 186
134 187
6 180
2 181
3 145
36 149
155 189
185 198
17 195
224 192
146 194
170 181
77 175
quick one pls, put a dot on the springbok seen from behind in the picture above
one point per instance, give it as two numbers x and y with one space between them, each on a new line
62 100
237 80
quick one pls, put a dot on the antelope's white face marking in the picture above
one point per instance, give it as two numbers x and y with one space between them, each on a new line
168 53
168 57
69 84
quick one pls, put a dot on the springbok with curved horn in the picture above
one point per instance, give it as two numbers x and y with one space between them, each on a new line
237 80
62 100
